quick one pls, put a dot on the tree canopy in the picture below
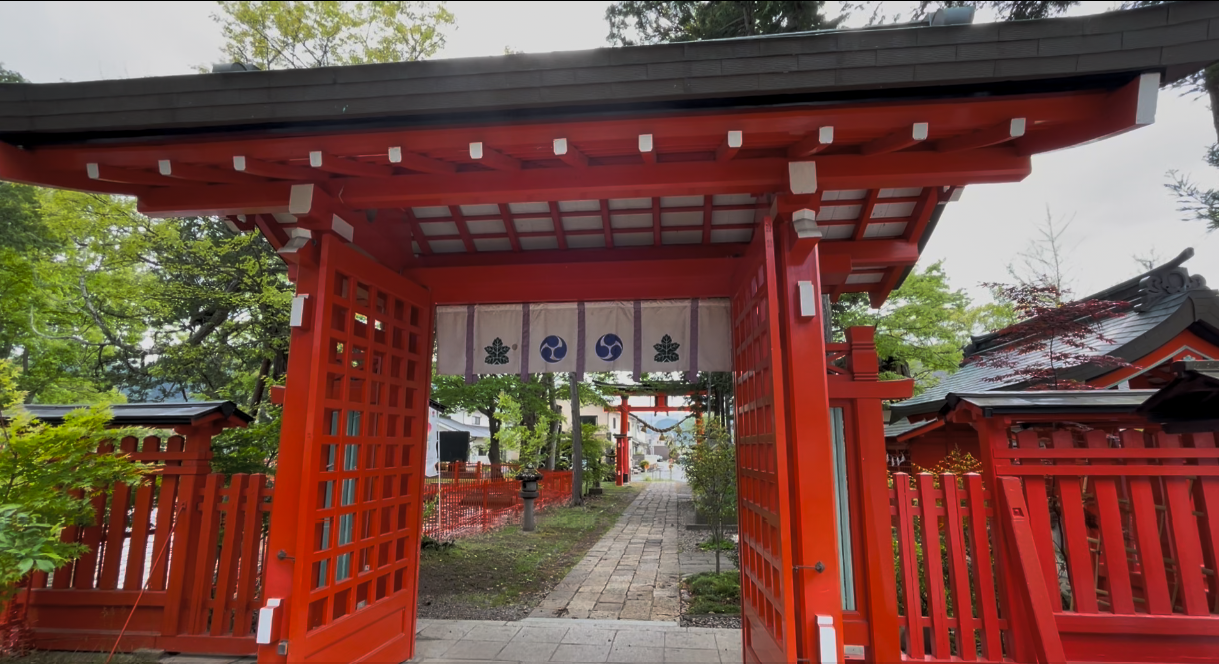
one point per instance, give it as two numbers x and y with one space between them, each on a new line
300 35
649 22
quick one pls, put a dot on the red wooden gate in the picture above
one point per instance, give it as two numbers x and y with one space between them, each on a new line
354 440
769 629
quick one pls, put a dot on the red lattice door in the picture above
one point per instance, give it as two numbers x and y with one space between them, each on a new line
769 629
364 415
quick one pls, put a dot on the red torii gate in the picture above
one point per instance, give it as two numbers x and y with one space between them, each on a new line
768 171
660 395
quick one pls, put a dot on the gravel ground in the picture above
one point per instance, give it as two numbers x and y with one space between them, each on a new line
688 540
455 608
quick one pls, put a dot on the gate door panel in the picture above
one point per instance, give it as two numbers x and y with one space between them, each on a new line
366 418
769 630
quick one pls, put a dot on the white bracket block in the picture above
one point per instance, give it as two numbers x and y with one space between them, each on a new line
828 640
315 159
1149 94
560 146
266 618
808 299
239 163
1017 127
164 167
395 155
476 150
344 229
825 135
919 131
735 139
300 200
803 176
645 142
93 171
805 223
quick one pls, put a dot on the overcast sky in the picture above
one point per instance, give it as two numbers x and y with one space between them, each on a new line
1112 190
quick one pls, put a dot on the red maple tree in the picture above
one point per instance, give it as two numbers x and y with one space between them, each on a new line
1050 338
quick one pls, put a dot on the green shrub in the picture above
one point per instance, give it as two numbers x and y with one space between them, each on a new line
715 592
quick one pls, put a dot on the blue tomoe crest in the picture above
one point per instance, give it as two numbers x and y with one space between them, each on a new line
553 349
609 347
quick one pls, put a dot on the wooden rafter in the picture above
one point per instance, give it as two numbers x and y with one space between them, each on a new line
425 245
202 173
126 175
865 213
812 144
420 163
898 140
569 154
707 210
463 228
606 224
268 169
498 160
921 216
656 221
509 226
344 166
994 135
556 218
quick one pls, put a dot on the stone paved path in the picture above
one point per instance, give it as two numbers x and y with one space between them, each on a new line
633 572
566 640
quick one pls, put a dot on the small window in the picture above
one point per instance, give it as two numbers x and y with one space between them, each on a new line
477 420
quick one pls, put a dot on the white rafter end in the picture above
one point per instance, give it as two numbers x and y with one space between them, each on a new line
476 150
919 131
825 135
340 226
239 163
93 171
645 142
735 139
395 155
1016 128
164 167
315 159
560 146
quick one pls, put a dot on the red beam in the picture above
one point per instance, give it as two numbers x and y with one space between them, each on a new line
994 135
126 175
462 228
582 280
918 169
267 169
343 166
202 173
706 220
420 163
1130 107
656 222
815 142
425 246
922 214
498 160
571 156
898 140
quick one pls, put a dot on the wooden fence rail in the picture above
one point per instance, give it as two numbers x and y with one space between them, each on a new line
182 553
471 506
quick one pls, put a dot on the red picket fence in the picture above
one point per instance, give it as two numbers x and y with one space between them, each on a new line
182 553
1122 524
948 594
470 506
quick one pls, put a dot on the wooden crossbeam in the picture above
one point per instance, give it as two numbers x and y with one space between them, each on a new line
201 173
125 175
898 140
569 154
343 166
922 214
656 221
268 169
812 144
731 145
707 219
420 163
1000 133
509 226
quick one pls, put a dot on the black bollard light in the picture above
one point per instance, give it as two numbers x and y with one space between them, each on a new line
529 479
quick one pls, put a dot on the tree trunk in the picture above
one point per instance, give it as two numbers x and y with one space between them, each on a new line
260 387
554 425
577 446
493 451
1210 79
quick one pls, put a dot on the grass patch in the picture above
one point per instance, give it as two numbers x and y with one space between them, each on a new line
510 567
712 593
722 545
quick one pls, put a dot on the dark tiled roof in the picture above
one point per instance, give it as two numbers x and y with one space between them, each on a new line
1051 401
1190 403
145 414
1133 334
1176 39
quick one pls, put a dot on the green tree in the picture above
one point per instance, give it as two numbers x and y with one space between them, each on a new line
10 76
922 326
710 465
516 433
300 35
650 22
48 479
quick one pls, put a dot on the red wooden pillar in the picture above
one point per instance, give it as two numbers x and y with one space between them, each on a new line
818 599
624 431
867 425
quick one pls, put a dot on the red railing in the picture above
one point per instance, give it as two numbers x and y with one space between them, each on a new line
182 553
458 508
